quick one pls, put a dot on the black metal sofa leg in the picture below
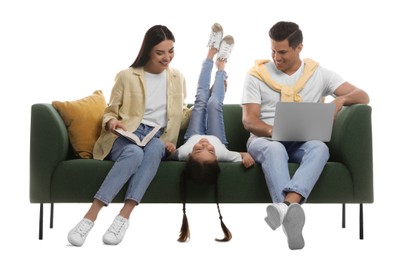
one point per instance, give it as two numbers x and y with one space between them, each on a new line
360 219
343 215
51 216
40 221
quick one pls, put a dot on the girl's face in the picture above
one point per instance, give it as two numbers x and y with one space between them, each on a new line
160 57
203 151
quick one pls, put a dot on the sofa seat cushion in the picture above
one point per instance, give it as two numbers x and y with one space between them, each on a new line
78 180
236 184
335 185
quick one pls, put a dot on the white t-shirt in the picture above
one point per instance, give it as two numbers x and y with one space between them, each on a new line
222 153
156 99
322 83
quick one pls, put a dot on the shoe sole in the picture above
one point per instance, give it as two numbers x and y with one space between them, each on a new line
228 39
273 219
293 226
217 27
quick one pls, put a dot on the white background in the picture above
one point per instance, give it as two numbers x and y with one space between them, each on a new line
64 50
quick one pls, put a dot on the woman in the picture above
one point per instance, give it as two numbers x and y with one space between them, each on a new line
205 139
137 105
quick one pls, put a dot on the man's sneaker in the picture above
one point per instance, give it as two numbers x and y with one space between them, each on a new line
77 236
293 226
226 46
216 36
276 214
116 231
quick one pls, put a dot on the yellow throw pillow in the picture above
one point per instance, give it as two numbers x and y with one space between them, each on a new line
83 119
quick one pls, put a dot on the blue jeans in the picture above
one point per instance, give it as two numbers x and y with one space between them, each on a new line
274 157
207 113
133 164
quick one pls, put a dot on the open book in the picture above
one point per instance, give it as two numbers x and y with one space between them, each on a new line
132 137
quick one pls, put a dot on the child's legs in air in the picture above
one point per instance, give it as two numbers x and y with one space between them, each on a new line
197 123
215 122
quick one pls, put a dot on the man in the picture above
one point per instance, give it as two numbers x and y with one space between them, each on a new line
289 79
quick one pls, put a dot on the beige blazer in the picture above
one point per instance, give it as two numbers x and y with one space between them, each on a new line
127 103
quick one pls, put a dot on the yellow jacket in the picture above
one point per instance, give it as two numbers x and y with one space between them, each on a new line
127 103
288 94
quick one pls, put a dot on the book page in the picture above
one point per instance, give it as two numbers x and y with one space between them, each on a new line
150 135
132 137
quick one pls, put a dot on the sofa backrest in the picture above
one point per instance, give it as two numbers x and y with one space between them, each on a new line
55 132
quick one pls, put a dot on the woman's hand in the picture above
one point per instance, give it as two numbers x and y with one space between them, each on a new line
113 124
248 161
170 148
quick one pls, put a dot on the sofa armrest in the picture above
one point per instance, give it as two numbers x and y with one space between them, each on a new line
351 144
49 145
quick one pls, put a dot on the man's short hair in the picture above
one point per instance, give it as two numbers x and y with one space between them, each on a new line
286 31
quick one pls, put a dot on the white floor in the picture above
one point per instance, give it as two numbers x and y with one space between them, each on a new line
154 229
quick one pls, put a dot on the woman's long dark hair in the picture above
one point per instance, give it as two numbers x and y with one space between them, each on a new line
198 172
153 36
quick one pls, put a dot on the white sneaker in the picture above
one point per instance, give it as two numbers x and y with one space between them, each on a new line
226 46
116 231
77 236
293 226
276 214
216 36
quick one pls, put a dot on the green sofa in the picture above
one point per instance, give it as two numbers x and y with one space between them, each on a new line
56 176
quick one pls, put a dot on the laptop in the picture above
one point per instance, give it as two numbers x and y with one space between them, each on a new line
303 121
